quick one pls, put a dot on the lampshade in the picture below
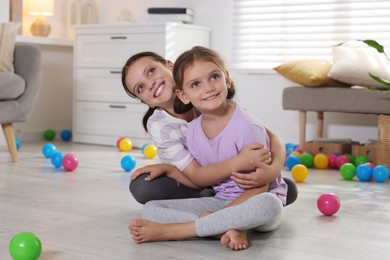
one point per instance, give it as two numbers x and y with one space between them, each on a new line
45 7
41 8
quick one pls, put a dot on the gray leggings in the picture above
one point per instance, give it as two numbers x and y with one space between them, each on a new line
262 213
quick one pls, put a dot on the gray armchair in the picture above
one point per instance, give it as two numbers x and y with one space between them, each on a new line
19 91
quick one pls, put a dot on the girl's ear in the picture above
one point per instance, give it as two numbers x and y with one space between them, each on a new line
169 64
180 94
228 80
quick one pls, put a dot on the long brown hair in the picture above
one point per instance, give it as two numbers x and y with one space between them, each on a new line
186 59
125 70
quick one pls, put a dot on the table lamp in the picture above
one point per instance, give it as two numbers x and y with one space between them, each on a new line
41 8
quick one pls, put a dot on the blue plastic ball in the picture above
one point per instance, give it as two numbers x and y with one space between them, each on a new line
143 147
290 148
128 163
18 143
66 135
291 161
48 150
380 173
56 159
364 172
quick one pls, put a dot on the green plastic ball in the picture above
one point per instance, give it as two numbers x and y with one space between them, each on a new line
348 171
25 246
49 134
351 158
361 160
307 159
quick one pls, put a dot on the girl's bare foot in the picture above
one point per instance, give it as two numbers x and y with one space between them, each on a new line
235 239
148 231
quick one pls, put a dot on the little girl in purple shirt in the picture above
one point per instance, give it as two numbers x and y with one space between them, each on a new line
221 131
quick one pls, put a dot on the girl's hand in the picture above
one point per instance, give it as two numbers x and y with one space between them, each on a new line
254 179
253 152
154 171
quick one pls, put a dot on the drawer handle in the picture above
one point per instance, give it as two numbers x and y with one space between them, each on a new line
118 37
118 106
115 72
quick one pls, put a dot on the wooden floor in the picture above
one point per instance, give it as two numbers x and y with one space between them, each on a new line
84 214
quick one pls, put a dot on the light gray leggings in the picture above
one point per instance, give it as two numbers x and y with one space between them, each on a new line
262 213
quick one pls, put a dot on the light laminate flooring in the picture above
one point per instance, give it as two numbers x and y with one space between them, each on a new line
84 214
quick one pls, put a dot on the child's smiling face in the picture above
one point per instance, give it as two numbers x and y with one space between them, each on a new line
205 85
151 81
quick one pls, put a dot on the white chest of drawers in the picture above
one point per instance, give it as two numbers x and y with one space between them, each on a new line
102 111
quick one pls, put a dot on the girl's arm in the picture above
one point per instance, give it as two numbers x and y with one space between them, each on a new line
156 170
215 173
264 173
197 177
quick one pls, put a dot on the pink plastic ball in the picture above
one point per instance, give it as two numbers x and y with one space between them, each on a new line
372 166
332 161
328 204
70 162
340 160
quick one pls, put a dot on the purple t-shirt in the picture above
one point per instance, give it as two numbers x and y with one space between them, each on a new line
242 129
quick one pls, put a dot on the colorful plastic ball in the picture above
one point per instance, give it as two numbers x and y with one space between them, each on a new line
351 158
321 161
341 160
372 166
150 151
128 163
299 172
49 134
48 150
143 147
307 159
25 246
70 162
125 145
291 161
66 135
290 148
348 171
332 161
380 173
18 143
118 141
297 154
364 172
328 204
56 159
361 159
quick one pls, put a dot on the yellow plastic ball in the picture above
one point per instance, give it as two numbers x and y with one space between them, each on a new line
125 145
297 154
321 161
150 151
299 173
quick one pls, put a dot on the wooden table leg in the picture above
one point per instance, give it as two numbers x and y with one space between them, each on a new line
302 127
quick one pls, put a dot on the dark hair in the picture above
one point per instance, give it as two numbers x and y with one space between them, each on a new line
187 58
129 62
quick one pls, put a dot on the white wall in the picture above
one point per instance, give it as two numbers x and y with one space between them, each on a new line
4 11
261 94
